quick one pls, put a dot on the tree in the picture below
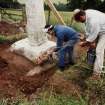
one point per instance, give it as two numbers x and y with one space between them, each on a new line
85 4
9 4
92 4
101 7
72 4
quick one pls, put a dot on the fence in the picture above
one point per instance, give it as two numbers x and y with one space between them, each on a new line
67 16
12 15
51 19
18 15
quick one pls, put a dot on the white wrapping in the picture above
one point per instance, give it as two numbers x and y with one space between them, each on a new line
23 47
35 21
37 41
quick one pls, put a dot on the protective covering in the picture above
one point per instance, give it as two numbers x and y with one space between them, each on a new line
37 41
35 21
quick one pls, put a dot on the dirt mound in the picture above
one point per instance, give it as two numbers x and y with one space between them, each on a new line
61 85
12 67
29 85
13 79
3 63
13 70
9 29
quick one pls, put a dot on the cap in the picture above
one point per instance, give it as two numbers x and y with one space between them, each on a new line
76 11
47 27
45 30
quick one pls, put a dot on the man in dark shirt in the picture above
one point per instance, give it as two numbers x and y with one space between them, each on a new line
66 39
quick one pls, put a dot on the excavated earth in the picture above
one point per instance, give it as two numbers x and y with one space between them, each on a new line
8 29
13 79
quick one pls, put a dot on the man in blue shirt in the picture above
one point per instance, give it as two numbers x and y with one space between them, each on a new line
66 39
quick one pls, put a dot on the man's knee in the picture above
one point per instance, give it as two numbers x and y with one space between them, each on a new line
99 51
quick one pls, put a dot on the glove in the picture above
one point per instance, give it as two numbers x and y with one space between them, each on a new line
55 55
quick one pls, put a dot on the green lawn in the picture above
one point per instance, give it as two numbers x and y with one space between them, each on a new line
53 20
12 14
60 1
67 18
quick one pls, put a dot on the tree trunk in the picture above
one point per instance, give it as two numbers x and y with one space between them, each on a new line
35 21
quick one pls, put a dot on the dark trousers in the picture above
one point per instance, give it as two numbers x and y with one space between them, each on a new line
65 54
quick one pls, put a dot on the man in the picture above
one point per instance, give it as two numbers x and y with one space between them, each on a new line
95 29
66 40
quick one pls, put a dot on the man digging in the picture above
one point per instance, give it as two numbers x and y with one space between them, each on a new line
66 39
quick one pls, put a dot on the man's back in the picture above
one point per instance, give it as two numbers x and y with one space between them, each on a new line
95 15
65 32
95 22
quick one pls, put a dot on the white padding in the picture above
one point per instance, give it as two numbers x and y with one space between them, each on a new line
23 47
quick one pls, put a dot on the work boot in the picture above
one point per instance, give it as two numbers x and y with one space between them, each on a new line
70 63
62 68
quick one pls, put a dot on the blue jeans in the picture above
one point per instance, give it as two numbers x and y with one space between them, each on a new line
67 49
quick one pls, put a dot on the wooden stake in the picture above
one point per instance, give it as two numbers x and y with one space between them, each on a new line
56 13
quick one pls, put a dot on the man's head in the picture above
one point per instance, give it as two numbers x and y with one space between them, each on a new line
49 29
79 15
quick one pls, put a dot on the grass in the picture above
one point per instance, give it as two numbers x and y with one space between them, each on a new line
47 98
13 11
2 39
16 102
12 14
54 99
67 16
60 1
11 38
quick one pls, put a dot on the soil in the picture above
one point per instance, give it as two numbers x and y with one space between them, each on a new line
12 67
13 79
8 29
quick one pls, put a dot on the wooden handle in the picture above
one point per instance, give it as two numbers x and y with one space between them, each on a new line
56 13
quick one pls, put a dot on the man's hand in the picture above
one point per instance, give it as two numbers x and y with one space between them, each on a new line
84 43
93 45
82 37
88 44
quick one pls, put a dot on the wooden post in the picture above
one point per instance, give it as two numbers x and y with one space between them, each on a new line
24 14
49 13
1 12
56 13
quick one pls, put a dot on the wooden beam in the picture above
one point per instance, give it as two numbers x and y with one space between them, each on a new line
56 13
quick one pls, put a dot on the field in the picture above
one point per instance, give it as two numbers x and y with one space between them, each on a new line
59 1
72 87
17 17
67 16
